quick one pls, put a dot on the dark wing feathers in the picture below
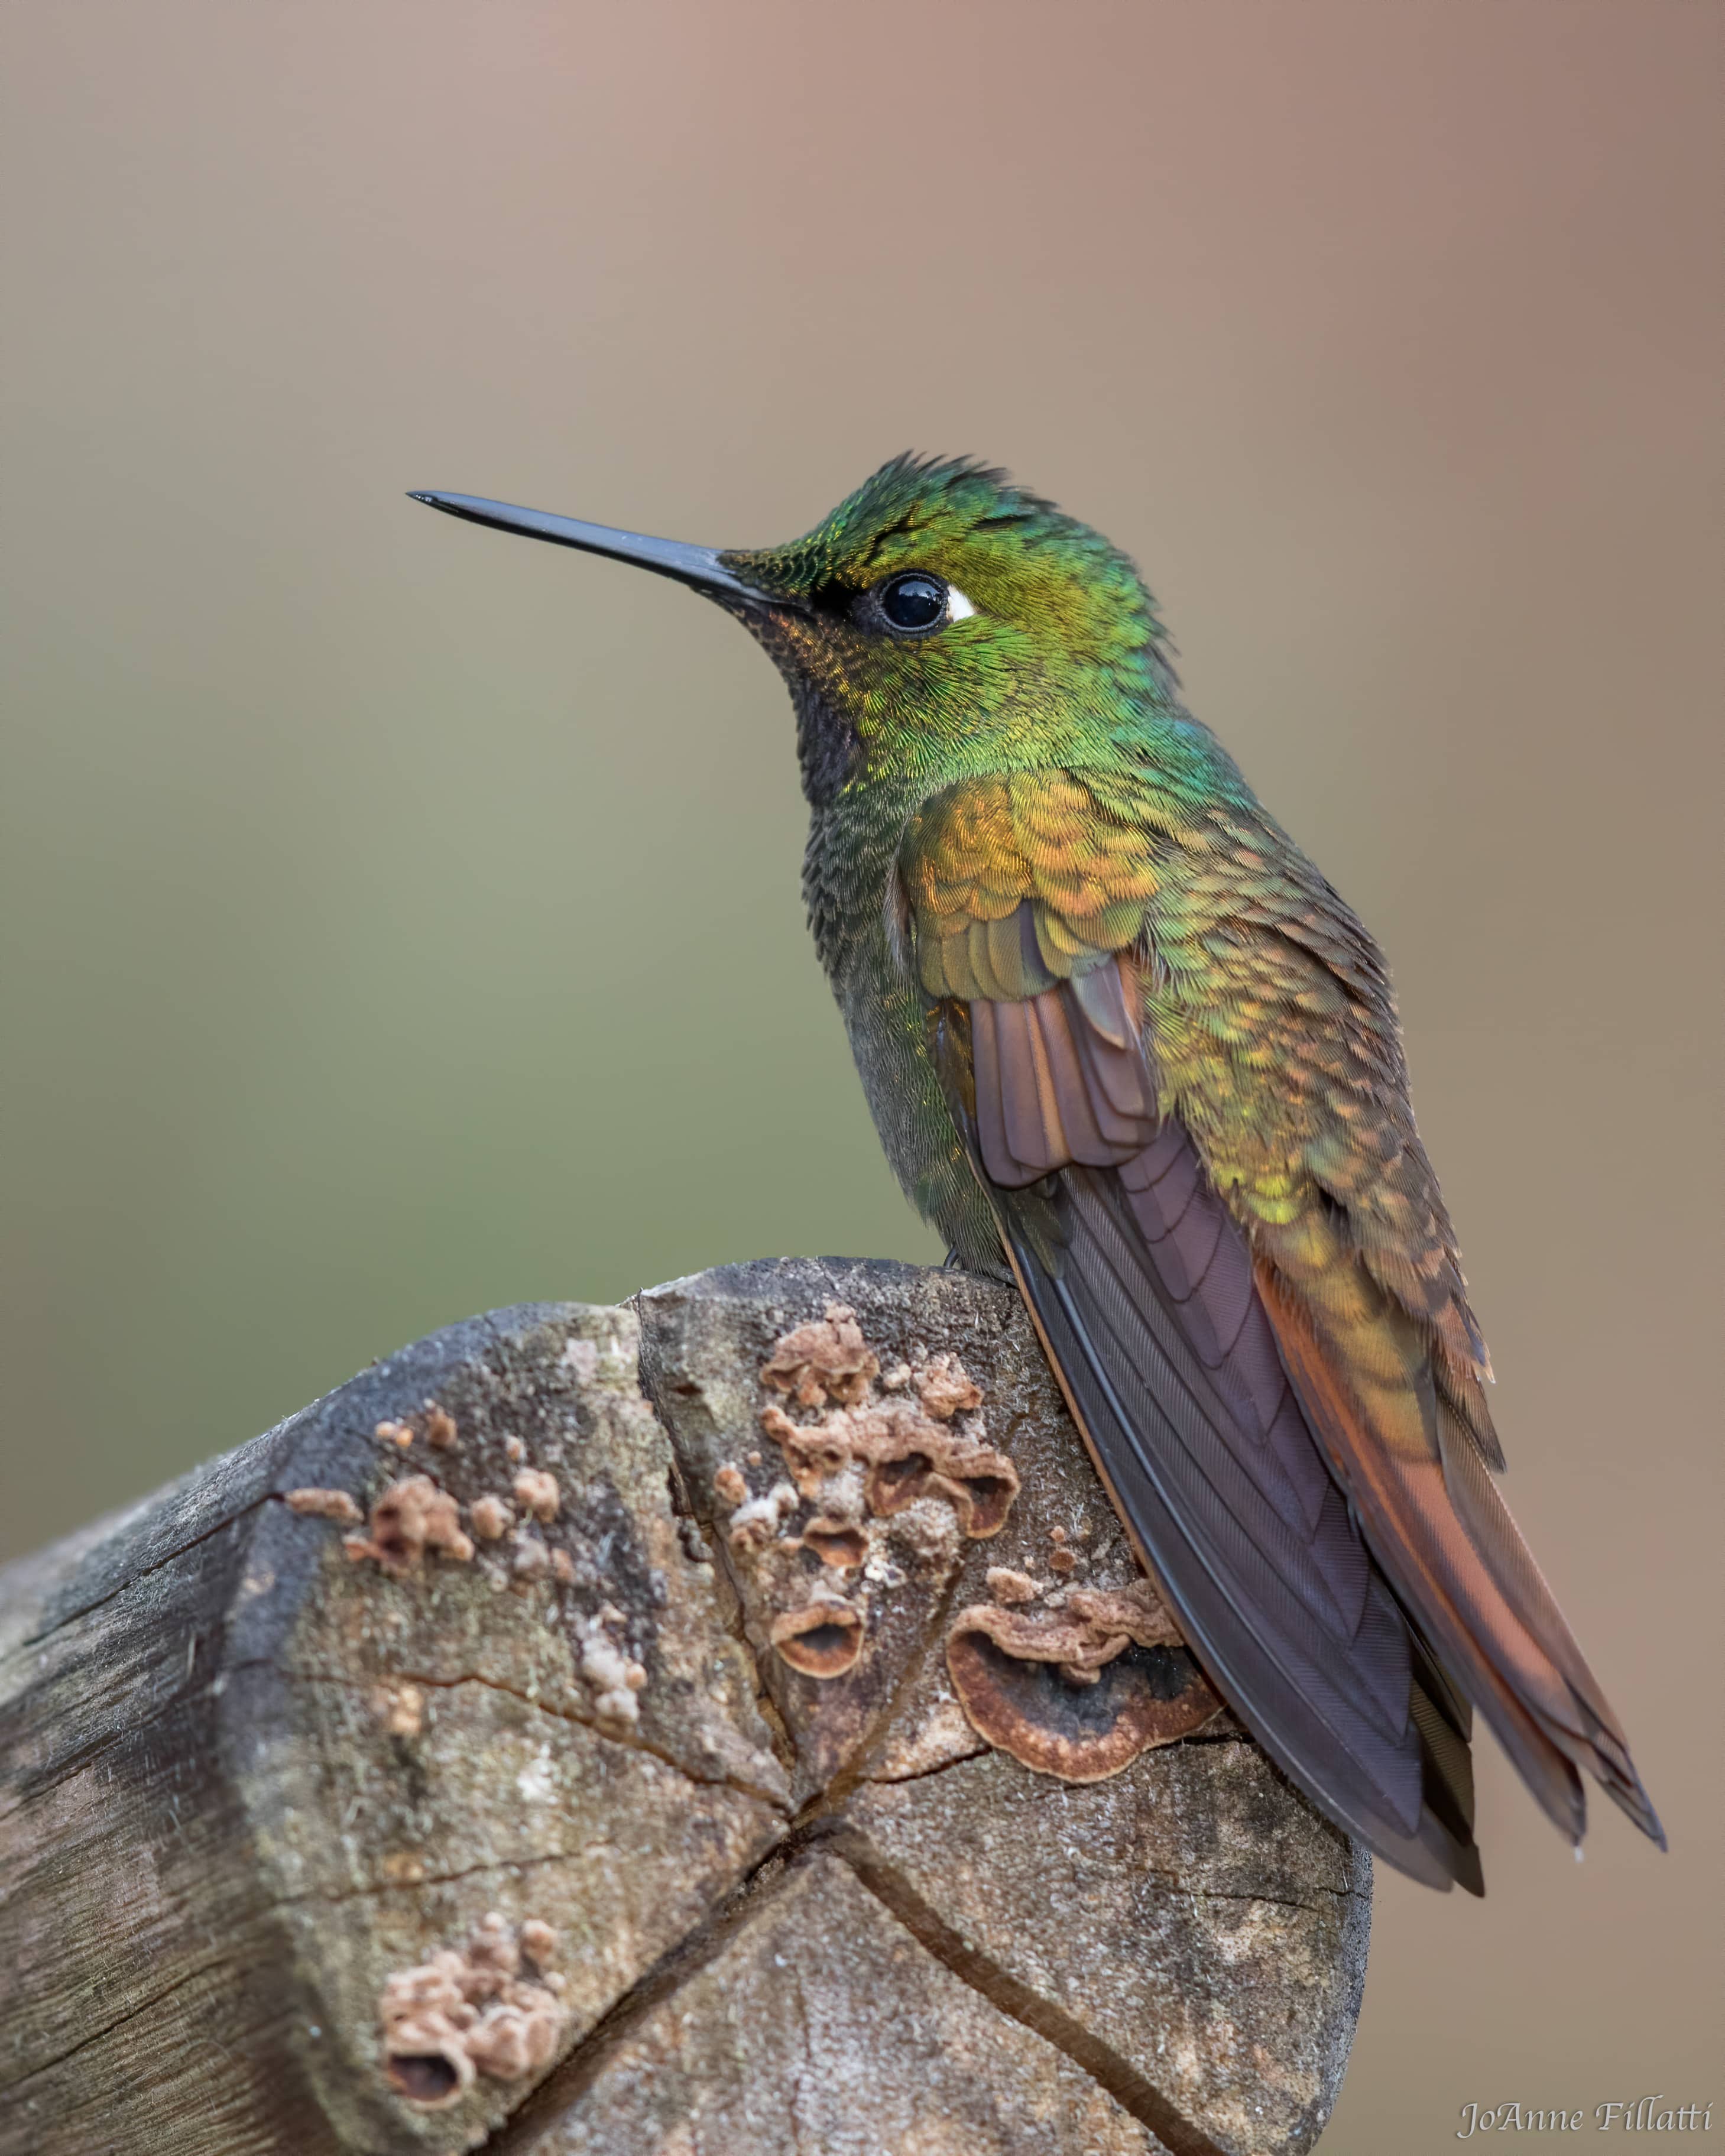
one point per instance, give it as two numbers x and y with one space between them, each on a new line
1142 1285
1296 1626
1445 1721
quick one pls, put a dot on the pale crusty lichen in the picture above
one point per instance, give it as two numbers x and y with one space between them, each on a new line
531 1562
1008 1586
400 1707
323 1505
536 1492
491 1518
613 1675
757 1520
944 1387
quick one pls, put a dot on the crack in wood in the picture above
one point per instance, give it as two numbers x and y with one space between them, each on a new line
567 2083
624 1740
229 1952
726 1587
335 1898
1010 1996
133 1580
926 1773
144 2006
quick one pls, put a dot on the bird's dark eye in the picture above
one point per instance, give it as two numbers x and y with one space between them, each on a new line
914 602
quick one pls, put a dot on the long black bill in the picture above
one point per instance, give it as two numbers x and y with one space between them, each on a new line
697 565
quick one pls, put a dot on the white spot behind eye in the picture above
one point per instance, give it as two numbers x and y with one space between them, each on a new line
958 608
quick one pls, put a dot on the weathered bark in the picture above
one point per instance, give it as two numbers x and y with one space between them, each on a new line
638 1712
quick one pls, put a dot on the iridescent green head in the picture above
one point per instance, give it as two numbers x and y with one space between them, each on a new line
940 622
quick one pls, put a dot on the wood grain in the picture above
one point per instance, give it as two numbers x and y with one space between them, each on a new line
315 1837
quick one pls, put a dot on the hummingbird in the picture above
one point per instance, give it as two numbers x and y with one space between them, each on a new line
1124 1045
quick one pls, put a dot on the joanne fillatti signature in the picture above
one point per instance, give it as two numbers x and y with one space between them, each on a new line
1647 2114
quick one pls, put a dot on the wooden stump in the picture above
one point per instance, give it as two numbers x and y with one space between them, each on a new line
601 1733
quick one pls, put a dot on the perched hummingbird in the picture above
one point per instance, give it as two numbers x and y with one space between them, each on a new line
1116 1031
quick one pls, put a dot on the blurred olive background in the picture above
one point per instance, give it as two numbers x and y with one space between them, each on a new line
400 919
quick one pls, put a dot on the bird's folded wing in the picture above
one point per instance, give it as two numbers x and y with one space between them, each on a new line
1142 1286
1291 1426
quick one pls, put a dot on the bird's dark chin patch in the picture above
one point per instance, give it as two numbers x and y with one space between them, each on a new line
827 744
828 748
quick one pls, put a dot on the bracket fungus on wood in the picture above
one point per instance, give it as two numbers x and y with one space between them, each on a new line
1080 1691
656 1782
822 1639
824 1359
493 2007
842 1547
409 1518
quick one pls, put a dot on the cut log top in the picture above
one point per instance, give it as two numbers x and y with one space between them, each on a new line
730 1722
